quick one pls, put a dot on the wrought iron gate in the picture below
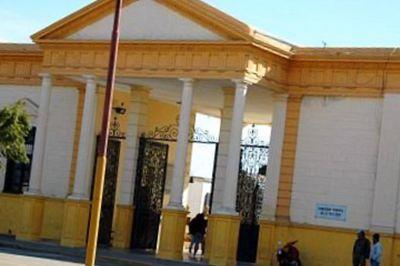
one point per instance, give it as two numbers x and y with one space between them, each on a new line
250 191
110 184
150 180
149 193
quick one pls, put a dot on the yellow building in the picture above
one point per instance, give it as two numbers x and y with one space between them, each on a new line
334 161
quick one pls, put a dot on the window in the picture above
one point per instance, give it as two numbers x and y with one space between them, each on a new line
18 174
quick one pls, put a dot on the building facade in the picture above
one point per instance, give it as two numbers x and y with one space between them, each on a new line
334 159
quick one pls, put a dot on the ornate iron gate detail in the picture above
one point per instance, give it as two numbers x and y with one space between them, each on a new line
150 180
252 177
250 192
170 133
149 193
250 197
110 184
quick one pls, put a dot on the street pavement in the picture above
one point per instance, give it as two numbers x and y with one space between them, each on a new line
15 257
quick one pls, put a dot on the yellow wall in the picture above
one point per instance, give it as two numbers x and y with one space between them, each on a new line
53 214
10 209
319 245
161 113
11 212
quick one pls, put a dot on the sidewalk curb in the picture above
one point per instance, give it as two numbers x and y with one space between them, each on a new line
118 257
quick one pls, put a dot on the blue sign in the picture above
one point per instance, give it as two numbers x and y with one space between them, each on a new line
331 212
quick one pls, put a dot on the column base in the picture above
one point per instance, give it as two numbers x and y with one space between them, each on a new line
222 239
123 226
31 218
266 252
76 221
173 227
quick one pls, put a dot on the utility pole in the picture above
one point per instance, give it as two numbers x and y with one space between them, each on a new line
102 146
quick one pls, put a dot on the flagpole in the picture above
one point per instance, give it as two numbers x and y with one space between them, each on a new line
102 146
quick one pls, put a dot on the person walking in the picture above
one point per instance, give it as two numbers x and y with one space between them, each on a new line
377 250
197 229
361 249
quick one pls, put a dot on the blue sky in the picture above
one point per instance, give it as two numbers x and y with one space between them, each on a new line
302 22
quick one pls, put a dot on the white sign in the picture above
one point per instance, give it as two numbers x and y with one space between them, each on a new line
331 212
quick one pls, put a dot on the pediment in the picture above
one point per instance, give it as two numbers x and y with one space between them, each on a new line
147 20
158 21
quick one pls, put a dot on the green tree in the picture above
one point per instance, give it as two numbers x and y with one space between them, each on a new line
14 127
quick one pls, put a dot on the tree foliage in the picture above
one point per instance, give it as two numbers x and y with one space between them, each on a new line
14 127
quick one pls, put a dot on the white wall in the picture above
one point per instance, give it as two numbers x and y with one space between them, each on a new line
388 171
60 136
336 159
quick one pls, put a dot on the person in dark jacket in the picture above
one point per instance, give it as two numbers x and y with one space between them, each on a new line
361 249
197 229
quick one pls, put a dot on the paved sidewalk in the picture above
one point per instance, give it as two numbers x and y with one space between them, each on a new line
104 256
16 257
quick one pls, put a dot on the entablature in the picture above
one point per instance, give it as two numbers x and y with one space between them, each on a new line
351 78
167 59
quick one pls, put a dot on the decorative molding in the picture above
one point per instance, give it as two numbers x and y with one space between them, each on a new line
148 60
216 60
20 69
352 79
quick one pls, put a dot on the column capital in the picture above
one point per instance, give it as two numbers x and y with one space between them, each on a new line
45 75
187 80
89 77
241 82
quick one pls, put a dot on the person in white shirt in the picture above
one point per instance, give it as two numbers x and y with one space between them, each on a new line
376 251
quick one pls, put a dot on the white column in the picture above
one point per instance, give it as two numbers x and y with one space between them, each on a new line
385 212
182 145
274 158
84 166
35 181
137 121
223 146
232 167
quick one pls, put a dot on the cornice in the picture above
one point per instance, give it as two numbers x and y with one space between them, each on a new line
78 20
347 54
